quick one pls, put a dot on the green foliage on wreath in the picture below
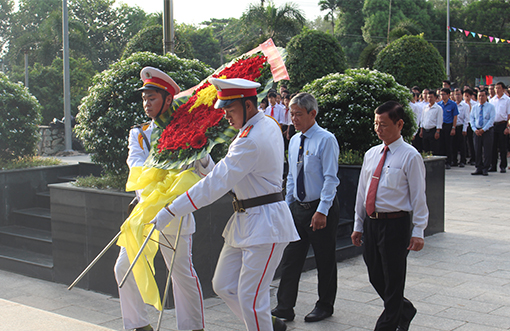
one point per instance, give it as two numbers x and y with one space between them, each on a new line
113 104
347 103
412 61
313 54
20 113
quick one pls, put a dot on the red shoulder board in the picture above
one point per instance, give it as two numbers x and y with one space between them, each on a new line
246 131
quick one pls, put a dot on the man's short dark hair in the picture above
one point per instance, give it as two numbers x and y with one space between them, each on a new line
447 82
284 86
415 88
493 85
446 90
433 92
457 89
468 91
503 86
484 91
394 109
271 95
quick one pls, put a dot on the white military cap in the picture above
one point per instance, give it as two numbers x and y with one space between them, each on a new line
155 79
232 89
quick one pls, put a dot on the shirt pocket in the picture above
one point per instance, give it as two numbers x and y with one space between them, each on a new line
391 177
312 163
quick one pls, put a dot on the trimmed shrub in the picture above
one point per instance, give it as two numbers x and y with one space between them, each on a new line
412 61
20 113
313 54
347 103
113 104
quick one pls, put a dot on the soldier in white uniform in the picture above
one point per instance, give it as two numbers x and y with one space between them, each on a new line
262 225
157 92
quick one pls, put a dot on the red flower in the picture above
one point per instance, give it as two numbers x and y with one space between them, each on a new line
198 141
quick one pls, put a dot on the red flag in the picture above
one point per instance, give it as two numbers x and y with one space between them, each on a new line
466 32
488 80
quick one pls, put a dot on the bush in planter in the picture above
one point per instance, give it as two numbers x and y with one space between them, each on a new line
347 103
412 61
20 113
113 104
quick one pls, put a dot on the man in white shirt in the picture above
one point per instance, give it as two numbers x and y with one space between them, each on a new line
459 141
431 123
467 94
391 187
502 104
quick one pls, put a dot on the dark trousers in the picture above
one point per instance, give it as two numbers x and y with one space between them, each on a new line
446 142
471 145
459 146
430 144
324 245
418 142
483 150
499 143
385 253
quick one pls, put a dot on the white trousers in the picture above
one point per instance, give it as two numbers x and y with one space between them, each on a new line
187 291
242 279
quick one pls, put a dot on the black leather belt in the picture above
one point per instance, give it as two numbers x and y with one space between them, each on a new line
242 205
380 216
500 122
428 130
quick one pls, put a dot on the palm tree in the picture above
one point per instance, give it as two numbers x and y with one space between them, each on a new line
330 5
280 23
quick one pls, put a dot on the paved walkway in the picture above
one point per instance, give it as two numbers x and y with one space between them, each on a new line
459 281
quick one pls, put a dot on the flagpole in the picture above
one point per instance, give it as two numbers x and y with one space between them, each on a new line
448 39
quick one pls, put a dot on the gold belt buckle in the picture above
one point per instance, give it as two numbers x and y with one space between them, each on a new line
238 206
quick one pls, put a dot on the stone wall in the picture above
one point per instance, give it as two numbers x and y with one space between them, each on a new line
51 140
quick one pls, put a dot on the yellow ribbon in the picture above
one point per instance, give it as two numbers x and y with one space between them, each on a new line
159 188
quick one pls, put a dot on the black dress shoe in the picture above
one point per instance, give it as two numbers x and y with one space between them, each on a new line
493 170
316 315
286 314
503 171
278 324
447 166
145 328
476 173
403 325
485 173
461 165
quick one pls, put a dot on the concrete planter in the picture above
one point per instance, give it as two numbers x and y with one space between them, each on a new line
84 220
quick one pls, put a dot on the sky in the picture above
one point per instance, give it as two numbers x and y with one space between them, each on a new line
197 11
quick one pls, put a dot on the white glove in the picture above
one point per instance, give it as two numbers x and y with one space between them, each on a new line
163 217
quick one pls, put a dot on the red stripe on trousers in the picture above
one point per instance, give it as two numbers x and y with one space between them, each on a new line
258 287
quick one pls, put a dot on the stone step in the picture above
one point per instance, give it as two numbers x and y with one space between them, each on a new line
30 239
67 178
26 263
42 199
37 218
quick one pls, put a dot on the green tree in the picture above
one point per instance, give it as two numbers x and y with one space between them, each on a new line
206 48
347 103
6 8
488 17
348 32
280 23
146 41
113 104
331 6
376 13
46 85
313 54
412 61
19 117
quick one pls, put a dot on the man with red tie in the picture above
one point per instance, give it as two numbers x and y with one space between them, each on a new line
391 186
275 110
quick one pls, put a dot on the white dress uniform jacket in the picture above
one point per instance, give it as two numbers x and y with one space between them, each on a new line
251 168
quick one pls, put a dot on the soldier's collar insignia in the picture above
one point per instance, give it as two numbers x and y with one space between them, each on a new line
246 131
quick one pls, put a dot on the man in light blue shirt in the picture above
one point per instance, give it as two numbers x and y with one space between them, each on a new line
311 195
482 122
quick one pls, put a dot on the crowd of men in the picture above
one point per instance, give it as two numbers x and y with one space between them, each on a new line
464 123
